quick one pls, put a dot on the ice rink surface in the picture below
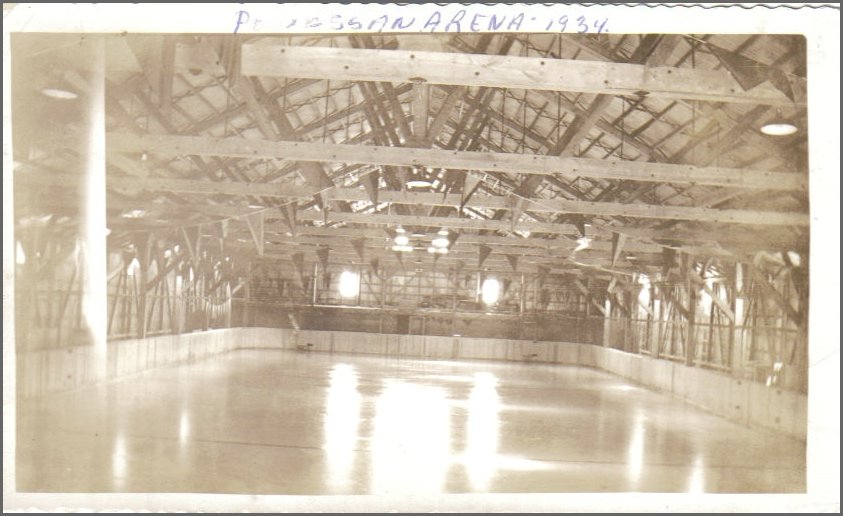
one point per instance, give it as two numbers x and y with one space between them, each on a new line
299 423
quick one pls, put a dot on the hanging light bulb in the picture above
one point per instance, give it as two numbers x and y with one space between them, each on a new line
417 180
60 91
582 243
440 242
778 126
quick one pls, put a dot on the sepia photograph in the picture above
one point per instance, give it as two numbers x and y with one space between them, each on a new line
385 258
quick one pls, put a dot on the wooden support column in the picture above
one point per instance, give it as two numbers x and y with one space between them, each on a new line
690 345
313 293
774 294
736 304
248 295
142 245
228 304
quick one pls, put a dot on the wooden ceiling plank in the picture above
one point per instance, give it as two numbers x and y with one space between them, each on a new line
698 241
557 205
421 103
529 73
454 95
465 160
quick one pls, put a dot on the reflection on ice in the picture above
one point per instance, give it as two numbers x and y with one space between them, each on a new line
635 455
342 415
482 431
696 482
119 461
410 439
184 428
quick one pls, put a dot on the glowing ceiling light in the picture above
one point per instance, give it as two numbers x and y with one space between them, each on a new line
418 183
402 240
440 242
779 128
55 92
134 214
431 250
443 232
399 229
582 243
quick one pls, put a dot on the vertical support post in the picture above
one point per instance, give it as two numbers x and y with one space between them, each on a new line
690 345
228 304
522 304
733 291
658 311
178 303
359 284
314 284
248 295
522 296
9 264
93 227
454 288
607 322
383 279
120 277
478 287
141 289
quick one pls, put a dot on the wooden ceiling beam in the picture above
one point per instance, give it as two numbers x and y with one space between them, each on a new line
531 73
649 211
715 111
695 241
451 159
496 262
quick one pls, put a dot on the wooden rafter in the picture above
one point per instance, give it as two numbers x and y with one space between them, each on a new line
507 72
466 160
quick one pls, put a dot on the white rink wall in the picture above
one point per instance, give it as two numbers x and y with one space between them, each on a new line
746 402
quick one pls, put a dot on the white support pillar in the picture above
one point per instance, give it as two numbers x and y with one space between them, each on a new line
9 263
93 227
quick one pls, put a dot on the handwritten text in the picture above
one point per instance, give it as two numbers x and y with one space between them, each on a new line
460 21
